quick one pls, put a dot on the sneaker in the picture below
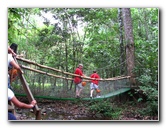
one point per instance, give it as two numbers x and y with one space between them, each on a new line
91 97
78 97
97 96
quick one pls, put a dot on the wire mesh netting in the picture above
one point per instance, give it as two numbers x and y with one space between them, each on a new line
48 86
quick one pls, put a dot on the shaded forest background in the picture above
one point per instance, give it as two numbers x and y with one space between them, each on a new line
64 37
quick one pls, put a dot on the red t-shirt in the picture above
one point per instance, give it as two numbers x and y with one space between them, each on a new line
78 79
95 75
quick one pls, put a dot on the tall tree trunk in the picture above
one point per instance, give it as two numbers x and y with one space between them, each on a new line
129 43
122 57
66 63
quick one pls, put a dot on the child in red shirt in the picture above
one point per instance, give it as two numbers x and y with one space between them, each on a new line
94 84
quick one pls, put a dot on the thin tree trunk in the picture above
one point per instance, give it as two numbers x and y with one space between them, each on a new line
122 57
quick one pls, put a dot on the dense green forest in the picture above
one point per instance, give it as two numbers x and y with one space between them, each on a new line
114 41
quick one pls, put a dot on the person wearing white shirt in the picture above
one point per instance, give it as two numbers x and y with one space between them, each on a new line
17 103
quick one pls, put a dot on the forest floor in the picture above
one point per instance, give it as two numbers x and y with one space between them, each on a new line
80 110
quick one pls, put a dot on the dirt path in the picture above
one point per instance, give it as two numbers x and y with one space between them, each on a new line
76 110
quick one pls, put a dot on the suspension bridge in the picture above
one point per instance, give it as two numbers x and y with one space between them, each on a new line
40 81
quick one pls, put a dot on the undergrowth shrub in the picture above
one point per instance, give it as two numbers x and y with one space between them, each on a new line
151 92
105 109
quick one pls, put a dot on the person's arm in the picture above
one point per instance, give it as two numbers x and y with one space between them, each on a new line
17 103
16 66
11 51
82 75
98 77
20 104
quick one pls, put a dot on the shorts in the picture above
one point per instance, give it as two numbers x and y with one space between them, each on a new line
11 116
93 86
79 86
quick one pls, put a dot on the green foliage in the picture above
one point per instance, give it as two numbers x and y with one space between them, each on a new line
140 99
150 110
61 43
105 109
151 92
89 36
149 87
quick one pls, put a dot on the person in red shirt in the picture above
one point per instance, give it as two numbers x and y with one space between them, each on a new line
94 84
78 80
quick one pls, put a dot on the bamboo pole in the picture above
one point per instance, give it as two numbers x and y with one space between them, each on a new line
88 78
116 78
29 95
43 66
45 73
57 70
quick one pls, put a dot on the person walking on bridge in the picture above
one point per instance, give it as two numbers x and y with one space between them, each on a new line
78 80
94 84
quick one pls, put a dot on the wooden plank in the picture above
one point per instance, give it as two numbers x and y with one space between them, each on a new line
30 97
28 92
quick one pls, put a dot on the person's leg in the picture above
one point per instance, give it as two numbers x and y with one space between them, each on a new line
11 116
97 90
80 88
79 92
91 93
91 90
77 89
